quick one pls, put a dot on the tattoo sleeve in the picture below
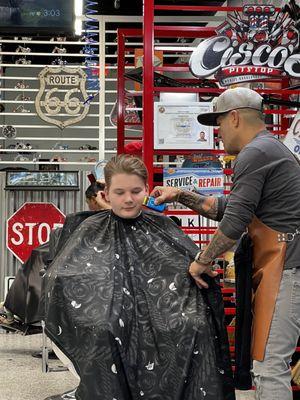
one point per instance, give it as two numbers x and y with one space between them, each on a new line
204 205
218 245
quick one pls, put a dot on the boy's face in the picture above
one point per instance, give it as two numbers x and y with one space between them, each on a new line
126 194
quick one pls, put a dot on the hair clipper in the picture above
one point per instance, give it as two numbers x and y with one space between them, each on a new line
150 203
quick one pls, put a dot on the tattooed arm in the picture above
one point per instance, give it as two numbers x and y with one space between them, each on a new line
218 245
207 206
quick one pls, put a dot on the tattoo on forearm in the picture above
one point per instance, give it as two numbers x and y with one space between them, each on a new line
204 205
218 245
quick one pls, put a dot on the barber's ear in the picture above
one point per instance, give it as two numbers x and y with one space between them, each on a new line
235 118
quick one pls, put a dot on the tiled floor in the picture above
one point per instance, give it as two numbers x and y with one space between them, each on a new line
21 376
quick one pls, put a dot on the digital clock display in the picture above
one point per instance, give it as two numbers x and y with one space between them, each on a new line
39 14
46 13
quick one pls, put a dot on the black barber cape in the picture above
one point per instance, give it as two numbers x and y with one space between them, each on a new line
121 305
243 259
24 296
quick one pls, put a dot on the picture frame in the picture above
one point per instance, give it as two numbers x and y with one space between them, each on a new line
42 180
176 126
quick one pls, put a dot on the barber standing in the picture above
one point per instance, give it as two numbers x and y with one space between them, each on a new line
265 200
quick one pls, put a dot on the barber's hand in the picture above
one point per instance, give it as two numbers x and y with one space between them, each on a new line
165 194
196 269
100 200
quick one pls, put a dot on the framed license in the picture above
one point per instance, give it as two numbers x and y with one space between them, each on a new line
176 126
42 180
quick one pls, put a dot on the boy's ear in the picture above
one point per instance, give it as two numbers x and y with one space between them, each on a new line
105 193
147 189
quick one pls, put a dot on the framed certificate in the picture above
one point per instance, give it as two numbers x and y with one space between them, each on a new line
176 126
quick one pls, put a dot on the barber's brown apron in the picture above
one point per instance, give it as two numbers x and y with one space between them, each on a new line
268 262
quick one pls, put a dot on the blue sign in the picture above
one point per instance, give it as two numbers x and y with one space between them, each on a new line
201 180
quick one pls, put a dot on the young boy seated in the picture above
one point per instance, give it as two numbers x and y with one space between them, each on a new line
120 302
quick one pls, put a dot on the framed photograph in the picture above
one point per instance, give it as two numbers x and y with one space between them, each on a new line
176 126
42 180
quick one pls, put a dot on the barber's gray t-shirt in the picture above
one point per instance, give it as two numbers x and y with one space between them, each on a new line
266 183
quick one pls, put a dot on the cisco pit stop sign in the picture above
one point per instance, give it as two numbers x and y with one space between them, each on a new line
30 226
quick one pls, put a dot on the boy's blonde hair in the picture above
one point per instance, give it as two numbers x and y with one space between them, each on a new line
125 164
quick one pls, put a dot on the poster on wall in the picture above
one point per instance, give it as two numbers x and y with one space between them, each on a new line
207 181
176 126
201 180
292 139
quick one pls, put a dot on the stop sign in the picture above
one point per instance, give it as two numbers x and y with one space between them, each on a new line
30 226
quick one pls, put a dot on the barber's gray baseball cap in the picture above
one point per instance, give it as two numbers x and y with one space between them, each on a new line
232 99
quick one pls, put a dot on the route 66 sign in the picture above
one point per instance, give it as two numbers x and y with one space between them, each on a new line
57 95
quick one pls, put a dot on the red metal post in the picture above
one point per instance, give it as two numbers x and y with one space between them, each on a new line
285 122
121 94
148 89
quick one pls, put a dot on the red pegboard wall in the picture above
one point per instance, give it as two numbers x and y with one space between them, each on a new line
151 32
